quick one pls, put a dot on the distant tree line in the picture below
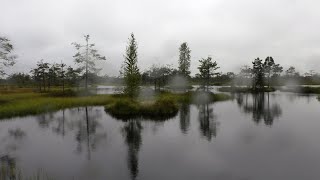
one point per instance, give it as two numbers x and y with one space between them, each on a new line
262 74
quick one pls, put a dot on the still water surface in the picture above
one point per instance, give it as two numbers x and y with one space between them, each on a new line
261 137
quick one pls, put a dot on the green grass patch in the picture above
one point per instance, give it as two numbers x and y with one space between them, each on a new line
159 109
162 106
300 89
195 97
245 89
35 103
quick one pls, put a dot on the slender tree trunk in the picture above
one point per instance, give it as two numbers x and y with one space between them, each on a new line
63 85
49 85
44 84
269 81
63 119
87 54
88 134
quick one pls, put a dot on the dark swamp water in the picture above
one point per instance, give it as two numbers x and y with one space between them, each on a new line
256 137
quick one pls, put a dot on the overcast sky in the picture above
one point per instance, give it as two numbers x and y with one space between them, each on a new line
233 32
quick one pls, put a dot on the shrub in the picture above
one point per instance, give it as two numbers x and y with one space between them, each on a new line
124 109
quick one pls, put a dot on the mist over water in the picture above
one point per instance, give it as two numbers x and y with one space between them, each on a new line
178 82
146 93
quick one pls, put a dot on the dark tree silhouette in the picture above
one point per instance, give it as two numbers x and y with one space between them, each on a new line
258 74
132 133
184 118
208 125
260 108
206 71
271 68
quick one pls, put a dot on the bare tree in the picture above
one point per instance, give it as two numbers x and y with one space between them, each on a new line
86 57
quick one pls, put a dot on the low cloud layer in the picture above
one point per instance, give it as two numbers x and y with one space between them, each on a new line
233 32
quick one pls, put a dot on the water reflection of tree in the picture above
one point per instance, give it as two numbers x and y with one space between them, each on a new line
45 119
80 120
208 124
184 118
86 134
8 165
261 108
60 128
132 133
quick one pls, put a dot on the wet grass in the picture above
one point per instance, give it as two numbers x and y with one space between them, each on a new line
163 104
13 173
304 90
34 103
245 89
159 109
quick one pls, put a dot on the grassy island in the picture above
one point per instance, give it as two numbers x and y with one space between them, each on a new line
245 89
164 104
301 89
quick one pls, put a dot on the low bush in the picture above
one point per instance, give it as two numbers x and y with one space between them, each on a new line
125 109
246 89
300 89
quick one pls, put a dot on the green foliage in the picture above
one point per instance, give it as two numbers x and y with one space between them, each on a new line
72 76
207 69
131 71
20 104
291 72
245 89
184 60
127 108
157 75
20 79
192 97
304 90
271 69
258 74
34 103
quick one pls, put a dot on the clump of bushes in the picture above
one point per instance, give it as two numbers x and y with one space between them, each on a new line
164 107
161 108
300 89
246 89
125 108
196 97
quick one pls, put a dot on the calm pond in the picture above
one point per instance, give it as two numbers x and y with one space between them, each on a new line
260 137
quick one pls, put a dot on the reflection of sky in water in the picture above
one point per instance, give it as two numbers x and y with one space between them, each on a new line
250 137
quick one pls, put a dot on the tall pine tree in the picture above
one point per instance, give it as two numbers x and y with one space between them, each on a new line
184 59
131 71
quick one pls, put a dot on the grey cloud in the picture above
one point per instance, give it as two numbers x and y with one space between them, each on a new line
233 32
